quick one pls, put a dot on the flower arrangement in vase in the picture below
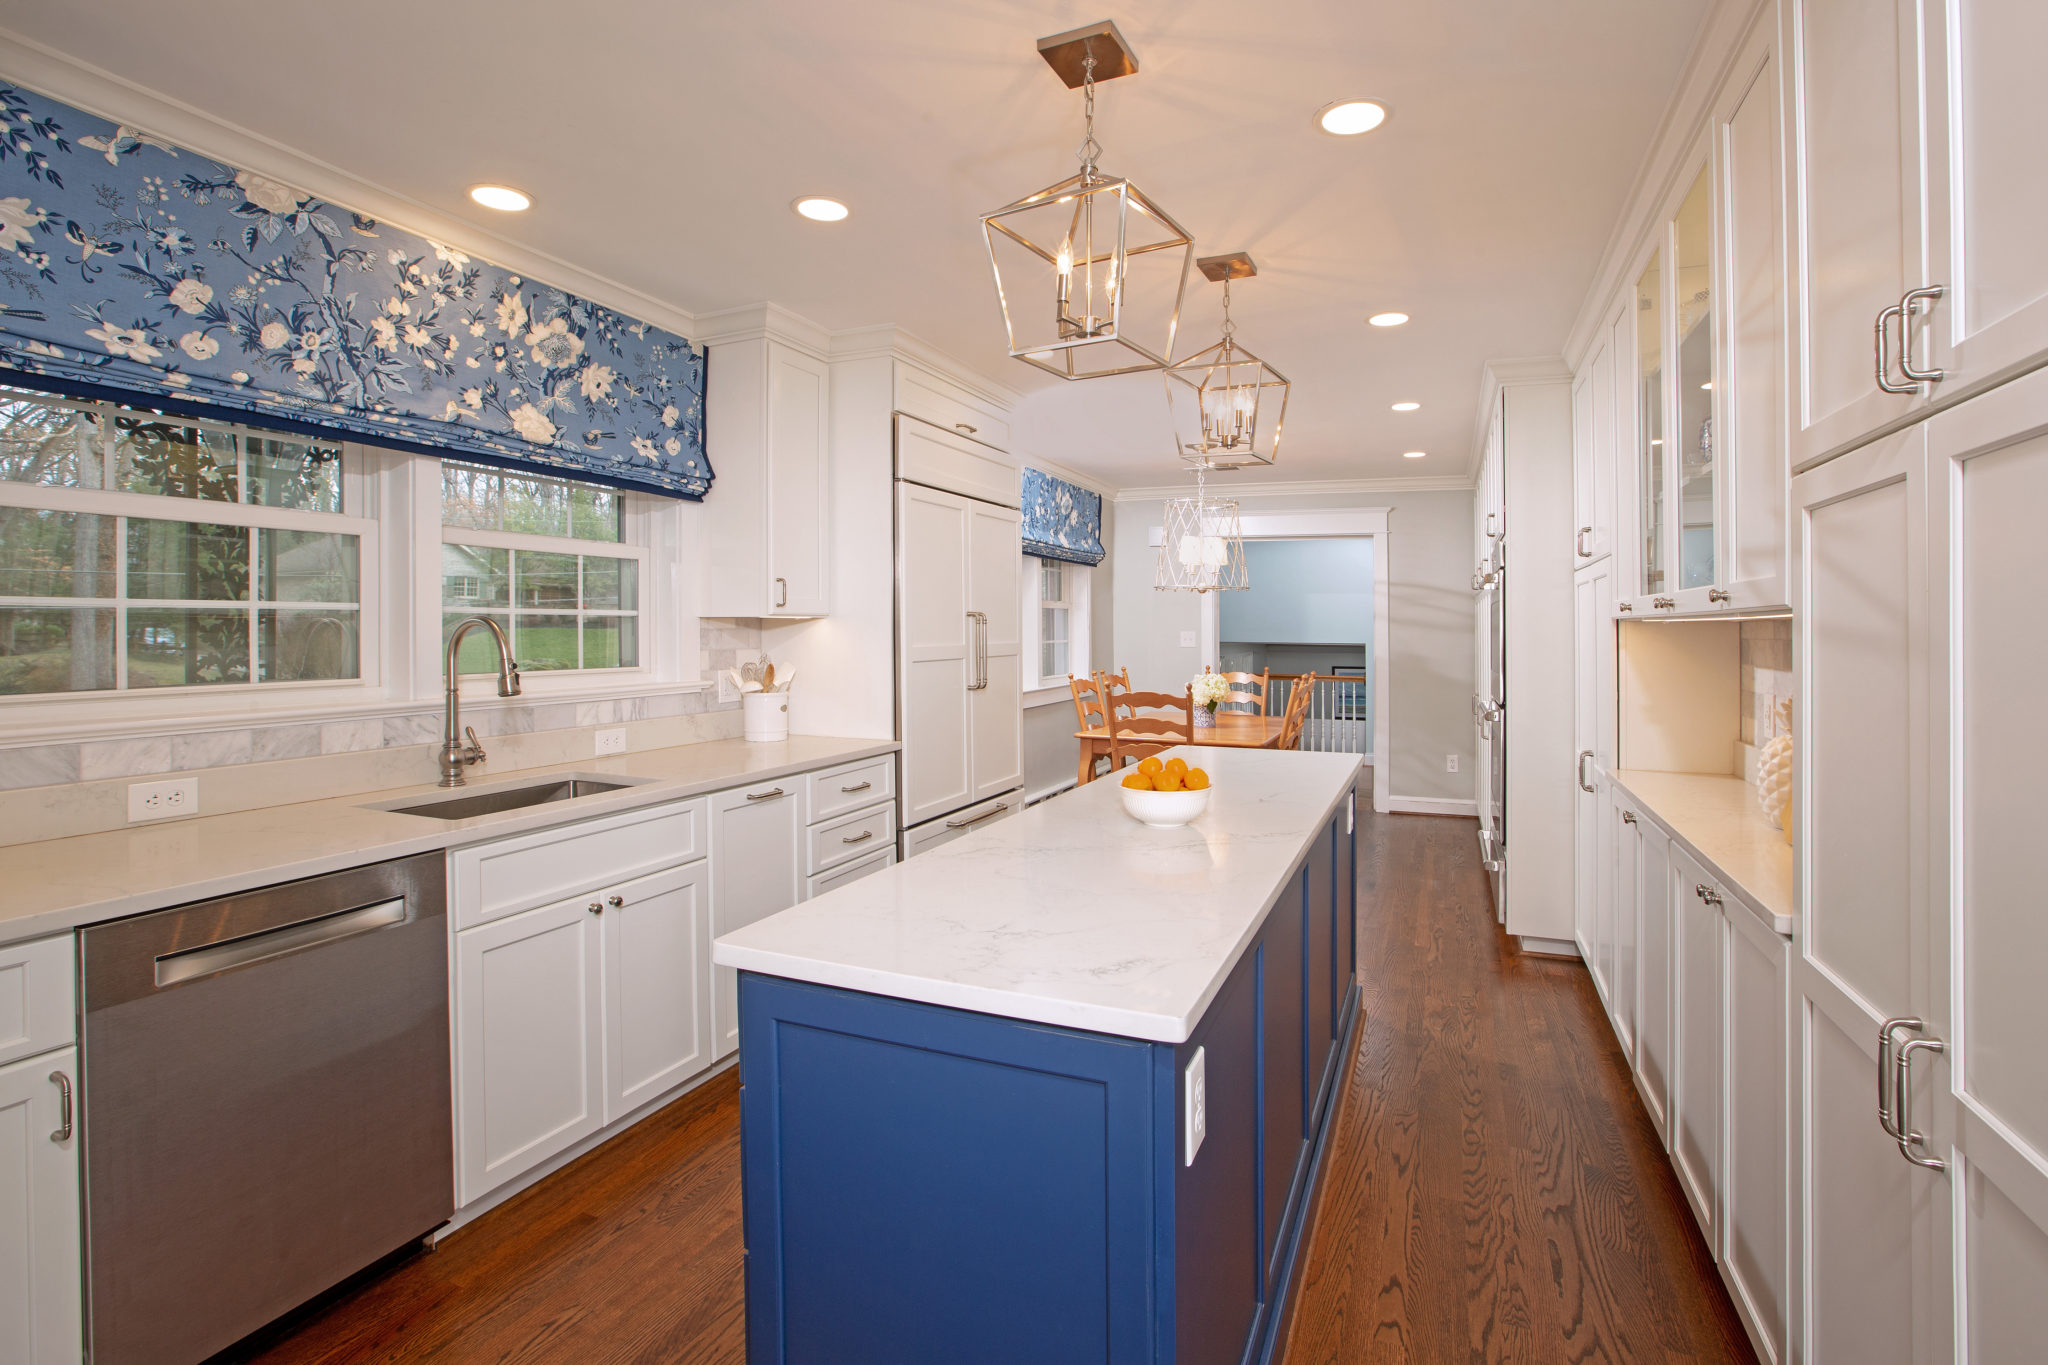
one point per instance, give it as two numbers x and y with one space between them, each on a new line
1209 691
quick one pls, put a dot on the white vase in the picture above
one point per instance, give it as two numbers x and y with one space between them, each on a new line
767 715
1205 718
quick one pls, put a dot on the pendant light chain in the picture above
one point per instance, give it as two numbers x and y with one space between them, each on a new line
1229 327
1090 151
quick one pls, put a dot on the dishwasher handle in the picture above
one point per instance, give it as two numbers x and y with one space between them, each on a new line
214 958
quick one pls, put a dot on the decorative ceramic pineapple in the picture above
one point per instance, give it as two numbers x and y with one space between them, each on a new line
1774 774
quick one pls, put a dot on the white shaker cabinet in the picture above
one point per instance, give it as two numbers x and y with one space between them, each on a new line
657 1001
755 872
1643 868
41 1315
529 1040
1697 954
1593 638
1595 441
767 535
1754 1152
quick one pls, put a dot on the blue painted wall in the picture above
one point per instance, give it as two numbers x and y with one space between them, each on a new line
1303 592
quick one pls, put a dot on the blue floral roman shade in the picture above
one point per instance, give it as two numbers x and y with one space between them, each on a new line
1061 520
131 268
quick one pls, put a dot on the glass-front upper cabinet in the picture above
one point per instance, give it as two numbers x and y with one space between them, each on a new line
1693 403
1650 404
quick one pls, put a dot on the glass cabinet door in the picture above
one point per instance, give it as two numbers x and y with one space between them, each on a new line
1694 402
1650 436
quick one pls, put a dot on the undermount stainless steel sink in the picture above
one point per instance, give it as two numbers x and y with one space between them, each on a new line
509 798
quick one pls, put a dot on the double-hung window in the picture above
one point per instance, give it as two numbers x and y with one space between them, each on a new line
1055 621
549 561
139 552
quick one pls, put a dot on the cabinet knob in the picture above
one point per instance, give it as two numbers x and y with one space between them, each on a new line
615 902
596 907
1626 606
1717 595
1664 603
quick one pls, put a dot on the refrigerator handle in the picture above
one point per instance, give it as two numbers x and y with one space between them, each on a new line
979 621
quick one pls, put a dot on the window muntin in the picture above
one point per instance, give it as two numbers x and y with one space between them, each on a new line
485 499
1054 616
139 552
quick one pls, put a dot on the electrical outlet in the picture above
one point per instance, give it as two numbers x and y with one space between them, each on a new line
163 800
1187 639
1450 763
610 742
1195 1094
726 691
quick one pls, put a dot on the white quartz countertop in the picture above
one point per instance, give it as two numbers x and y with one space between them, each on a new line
1071 913
60 884
1717 821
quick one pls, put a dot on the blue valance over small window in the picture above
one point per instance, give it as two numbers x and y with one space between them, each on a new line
133 268
1061 520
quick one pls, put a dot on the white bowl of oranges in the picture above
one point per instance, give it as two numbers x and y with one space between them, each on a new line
1164 795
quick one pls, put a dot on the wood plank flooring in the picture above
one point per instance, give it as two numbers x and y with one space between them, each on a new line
1495 1192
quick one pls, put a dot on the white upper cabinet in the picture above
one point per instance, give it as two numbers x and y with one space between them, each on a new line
950 407
767 538
1595 439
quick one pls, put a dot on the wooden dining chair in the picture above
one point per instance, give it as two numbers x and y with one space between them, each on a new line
1143 723
1248 692
1297 711
1091 705
1121 678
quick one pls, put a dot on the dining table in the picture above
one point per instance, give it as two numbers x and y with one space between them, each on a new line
1232 730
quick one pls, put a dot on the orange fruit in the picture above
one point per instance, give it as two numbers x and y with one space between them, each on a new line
1168 781
1195 780
1149 766
1138 782
1176 766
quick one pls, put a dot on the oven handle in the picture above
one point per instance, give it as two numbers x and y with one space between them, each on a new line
214 958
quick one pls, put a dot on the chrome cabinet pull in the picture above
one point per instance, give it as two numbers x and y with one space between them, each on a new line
1907 307
1717 595
782 592
1628 817
595 907
1584 785
1884 358
1663 603
63 1084
1902 1087
962 426
1707 894
862 838
615 902
861 788
985 815
1887 1099
768 795
1579 542
1490 532
1625 606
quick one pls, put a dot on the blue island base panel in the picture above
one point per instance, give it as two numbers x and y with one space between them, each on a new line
933 1186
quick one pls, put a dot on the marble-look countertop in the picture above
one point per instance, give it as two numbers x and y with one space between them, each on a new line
1717 821
60 884
1070 913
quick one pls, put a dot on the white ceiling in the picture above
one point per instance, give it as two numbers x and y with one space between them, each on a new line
663 143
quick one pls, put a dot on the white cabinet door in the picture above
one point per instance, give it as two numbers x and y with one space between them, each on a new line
41 1317
1753 1228
1874 1286
657 985
1592 704
937 646
995 556
1594 437
1654 933
1983 1103
799 492
529 1029
1697 952
1854 181
1751 448
1988 122
754 871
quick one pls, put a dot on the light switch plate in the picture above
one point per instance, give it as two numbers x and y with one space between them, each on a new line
1187 639
163 800
1450 763
1195 1098
610 742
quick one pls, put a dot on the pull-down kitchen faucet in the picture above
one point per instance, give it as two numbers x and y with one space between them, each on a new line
455 755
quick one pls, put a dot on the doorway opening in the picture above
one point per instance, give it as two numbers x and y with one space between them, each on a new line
1307 621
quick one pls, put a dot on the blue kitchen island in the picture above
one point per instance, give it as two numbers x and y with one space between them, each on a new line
1057 1092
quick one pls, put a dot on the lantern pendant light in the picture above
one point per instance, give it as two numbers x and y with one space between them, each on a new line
1089 272
1225 404
1203 546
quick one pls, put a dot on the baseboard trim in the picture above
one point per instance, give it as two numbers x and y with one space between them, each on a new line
1547 947
1432 805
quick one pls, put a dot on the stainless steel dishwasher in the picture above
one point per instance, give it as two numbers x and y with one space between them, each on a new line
266 1103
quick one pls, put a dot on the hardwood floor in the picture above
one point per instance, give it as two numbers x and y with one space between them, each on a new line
1495 1192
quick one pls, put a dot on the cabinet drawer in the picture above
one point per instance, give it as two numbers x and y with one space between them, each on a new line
849 787
949 407
849 836
958 825
536 869
36 993
851 872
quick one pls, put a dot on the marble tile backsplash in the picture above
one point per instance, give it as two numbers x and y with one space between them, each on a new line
1767 678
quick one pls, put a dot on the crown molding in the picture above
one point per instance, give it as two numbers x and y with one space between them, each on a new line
887 339
1507 374
119 100
1306 488
1093 483
754 321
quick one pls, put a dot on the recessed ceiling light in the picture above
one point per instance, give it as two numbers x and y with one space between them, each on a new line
1387 319
1406 407
503 198
821 210
1348 118
1413 454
